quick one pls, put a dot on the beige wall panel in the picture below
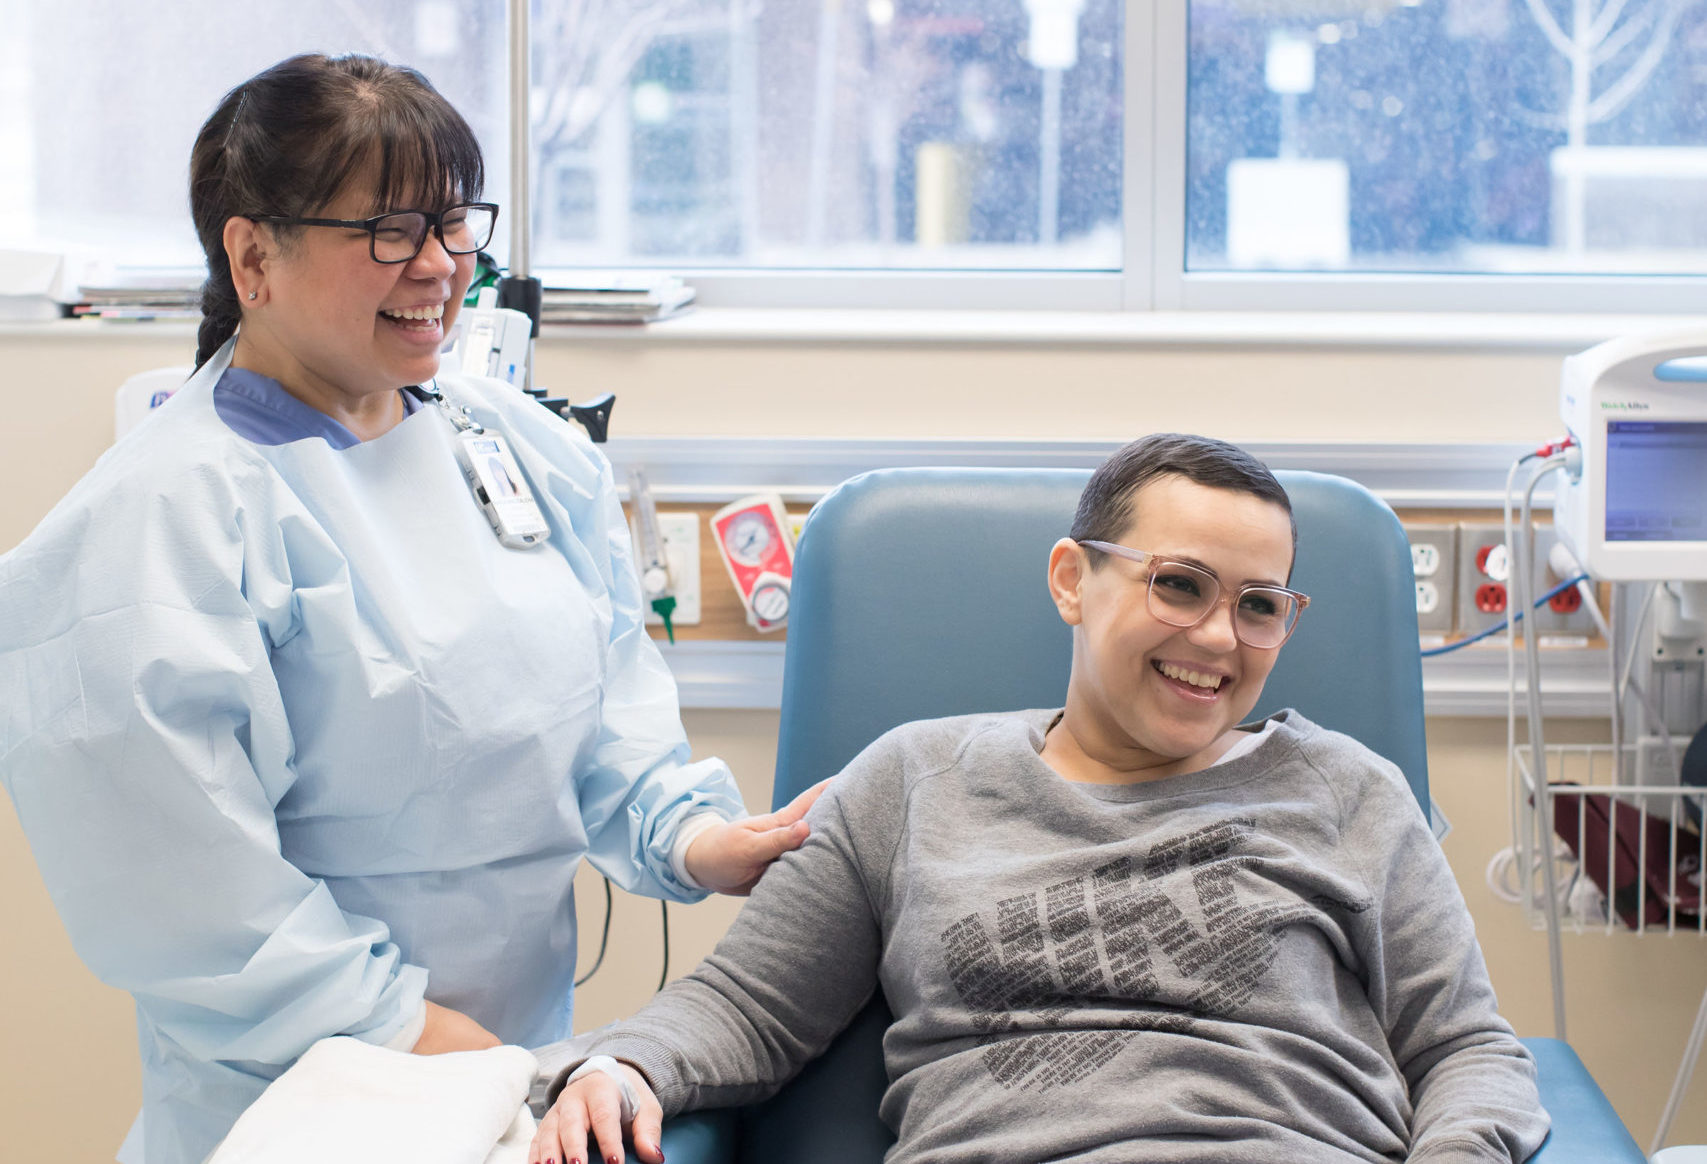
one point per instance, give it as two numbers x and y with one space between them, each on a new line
1235 392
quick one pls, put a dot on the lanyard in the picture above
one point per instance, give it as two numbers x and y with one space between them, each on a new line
458 414
494 478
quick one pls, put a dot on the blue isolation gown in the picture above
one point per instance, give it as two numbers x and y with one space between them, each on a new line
297 743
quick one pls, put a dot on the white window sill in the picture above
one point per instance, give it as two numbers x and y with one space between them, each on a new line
1538 333
1535 333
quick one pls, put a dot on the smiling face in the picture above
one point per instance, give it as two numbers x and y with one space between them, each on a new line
1148 699
337 328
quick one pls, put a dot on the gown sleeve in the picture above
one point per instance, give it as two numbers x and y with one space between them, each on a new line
641 784
145 746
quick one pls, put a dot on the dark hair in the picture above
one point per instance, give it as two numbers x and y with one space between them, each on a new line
1105 507
285 142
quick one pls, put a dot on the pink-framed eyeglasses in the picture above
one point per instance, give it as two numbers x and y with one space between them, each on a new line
1183 595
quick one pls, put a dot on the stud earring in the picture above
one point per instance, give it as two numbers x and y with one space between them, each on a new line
252 294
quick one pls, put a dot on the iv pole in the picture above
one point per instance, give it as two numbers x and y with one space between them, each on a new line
520 290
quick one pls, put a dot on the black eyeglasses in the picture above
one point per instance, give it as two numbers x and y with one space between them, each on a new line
399 237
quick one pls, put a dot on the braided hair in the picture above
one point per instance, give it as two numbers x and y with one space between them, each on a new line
286 142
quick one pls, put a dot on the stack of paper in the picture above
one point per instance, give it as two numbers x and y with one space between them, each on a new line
607 297
154 296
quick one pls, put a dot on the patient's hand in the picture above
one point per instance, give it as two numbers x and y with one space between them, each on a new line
731 858
593 1104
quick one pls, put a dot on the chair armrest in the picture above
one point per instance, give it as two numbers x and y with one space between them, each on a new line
1586 1129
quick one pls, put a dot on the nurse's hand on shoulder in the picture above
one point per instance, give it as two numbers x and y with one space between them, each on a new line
451 1030
592 1105
731 858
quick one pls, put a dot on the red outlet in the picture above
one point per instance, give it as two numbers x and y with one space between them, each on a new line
1482 560
1490 598
1566 601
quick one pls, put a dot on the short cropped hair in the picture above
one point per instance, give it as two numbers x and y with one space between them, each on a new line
1105 507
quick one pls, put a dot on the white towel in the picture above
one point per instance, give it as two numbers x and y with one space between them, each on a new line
349 1102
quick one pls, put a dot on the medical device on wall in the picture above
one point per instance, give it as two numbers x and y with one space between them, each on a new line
651 563
497 342
493 341
1635 507
758 551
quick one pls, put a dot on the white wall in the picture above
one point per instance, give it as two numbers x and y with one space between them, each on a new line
69 1059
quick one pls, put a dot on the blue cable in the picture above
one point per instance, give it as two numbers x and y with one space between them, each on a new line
1504 622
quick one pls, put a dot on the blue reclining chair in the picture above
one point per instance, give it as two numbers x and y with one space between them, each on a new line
922 593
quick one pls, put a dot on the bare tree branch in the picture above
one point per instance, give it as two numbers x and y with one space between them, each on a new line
590 47
1621 92
1549 27
1605 20
1624 37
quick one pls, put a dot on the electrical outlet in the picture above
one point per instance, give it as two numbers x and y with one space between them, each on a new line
1434 557
680 532
1563 621
1484 576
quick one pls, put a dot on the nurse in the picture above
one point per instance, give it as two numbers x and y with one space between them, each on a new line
301 747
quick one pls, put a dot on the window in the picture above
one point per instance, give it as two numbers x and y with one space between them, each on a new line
1252 154
1464 136
100 103
872 134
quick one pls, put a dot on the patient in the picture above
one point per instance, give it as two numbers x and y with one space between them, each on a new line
1132 928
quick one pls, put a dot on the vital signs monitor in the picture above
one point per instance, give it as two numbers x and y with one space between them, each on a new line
1635 508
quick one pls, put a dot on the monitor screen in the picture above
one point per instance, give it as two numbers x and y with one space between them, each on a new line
1656 481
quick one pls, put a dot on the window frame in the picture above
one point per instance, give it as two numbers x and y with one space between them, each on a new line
1153 277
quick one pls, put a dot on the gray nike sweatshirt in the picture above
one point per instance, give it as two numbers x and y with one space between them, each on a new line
1267 960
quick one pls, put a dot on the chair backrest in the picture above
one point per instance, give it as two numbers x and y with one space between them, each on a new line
922 592
142 393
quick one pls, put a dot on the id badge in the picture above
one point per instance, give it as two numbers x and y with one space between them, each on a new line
501 489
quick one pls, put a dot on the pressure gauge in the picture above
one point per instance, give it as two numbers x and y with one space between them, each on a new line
770 601
753 540
749 538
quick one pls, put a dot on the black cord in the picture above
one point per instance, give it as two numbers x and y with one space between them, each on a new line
604 939
664 974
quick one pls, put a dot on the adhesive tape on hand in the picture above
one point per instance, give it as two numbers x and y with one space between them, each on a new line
604 1064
